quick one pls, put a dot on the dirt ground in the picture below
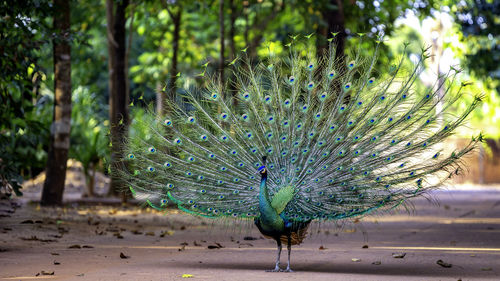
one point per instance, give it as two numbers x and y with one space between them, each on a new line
82 242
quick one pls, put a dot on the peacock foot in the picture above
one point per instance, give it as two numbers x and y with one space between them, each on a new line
288 270
276 269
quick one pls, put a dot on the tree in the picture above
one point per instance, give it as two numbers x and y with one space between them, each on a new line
118 95
222 43
480 22
333 22
53 187
23 133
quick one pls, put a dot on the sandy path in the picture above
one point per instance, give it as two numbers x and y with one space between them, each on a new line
464 230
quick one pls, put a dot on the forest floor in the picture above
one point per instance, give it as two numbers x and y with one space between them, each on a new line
99 242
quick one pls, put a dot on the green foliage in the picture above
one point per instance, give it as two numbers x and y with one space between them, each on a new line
23 134
89 129
26 59
480 21
479 48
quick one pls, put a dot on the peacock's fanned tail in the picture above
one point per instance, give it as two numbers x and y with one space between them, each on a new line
348 139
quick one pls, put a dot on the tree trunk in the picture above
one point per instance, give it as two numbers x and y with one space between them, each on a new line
118 95
232 44
89 180
335 21
160 100
247 26
53 186
221 56
232 29
172 82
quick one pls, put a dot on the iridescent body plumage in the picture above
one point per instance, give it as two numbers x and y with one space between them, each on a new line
341 140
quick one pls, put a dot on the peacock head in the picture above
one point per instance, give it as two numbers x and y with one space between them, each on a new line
262 169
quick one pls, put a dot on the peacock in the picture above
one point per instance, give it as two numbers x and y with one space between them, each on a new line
286 141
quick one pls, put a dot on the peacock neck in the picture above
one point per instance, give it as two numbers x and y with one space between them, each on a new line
269 218
263 195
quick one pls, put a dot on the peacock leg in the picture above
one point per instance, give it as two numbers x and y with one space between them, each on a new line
277 267
289 247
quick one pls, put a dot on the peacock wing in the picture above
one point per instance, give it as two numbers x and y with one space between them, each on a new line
281 198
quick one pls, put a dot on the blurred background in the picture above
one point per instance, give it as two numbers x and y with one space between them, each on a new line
119 57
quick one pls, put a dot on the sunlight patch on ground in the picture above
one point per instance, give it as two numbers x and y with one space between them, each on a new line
441 249
433 219
420 248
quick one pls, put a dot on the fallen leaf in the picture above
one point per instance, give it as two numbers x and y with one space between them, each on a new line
196 244
113 229
377 263
47 272
213 247
398 255
55 254
123 256
322 248
245 244
150 233
87 247
218 244
444 264
187 276
62 230
364 247
356 260
184 243
27 222
80 275
249 238
57 263
168 232
34 238
182 248
76 246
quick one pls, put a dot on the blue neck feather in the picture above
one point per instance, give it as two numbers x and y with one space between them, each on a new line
269 218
